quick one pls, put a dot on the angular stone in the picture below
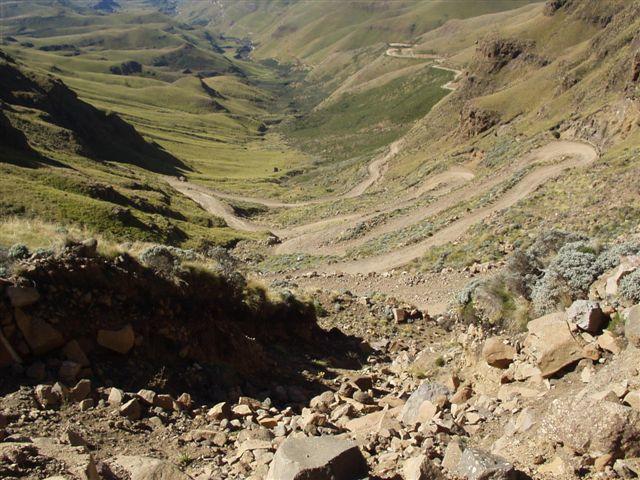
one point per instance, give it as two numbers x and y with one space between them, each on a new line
47 397
426 391
607 341
318 458
121 341
116 397
421 468
552 344
147 396
146 468
374 422
633 399
22 296
132 409
498 354
632 326
452 456
400 315
80 391
478 465
587 316
39 335
220 411
242 410
184 401
75 439
164 401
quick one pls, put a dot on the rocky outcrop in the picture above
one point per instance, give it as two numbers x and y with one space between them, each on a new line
475 120
635 68
552 6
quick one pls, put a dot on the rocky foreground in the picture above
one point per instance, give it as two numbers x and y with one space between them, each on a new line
435 399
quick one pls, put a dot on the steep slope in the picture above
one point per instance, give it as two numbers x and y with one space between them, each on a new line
313 31
89 131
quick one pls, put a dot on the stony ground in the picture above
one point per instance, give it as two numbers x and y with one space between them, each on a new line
434 399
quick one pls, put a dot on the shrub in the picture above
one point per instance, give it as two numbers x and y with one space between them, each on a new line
18 252
610 258
568 276
630 287
549 242
161 259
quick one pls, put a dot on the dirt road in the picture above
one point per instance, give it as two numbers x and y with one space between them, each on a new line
315 237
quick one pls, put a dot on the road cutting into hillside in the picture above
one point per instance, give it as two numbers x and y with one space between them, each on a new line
313 238
408 53
580 154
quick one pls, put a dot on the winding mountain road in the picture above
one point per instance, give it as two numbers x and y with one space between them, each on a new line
548 162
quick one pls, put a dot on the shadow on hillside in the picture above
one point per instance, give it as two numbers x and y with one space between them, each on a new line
215 337
102 136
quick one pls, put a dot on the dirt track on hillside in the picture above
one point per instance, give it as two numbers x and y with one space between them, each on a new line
317 237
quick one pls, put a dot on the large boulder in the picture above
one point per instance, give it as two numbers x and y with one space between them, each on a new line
146 468
478 465
551 343
317 458
427 392
632 326
594 426
497 353
587 316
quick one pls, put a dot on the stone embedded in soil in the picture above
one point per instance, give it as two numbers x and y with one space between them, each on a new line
47 397
39 335
590 425
318 458
120 341
22 296
632 326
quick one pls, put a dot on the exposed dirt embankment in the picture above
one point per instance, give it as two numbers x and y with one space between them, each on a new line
125 322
